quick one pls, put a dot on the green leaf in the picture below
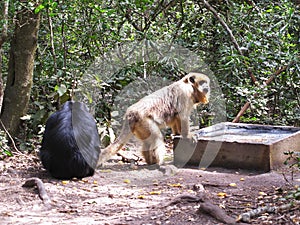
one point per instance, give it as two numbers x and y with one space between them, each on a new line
39 8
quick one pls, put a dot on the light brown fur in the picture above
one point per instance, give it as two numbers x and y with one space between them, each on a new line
171 107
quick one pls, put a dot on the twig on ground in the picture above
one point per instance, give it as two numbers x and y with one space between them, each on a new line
126 159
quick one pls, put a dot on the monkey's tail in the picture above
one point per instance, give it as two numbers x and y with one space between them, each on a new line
114 147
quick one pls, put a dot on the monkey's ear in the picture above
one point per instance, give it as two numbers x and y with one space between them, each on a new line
192 79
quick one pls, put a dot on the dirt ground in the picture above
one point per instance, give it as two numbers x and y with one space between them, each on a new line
122 194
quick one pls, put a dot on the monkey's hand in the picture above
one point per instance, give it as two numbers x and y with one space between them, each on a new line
103 157
194 139
191 138
168 170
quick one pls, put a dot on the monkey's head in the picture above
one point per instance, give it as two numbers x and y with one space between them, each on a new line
200 85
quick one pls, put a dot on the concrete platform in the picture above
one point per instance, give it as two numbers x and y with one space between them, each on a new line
238 146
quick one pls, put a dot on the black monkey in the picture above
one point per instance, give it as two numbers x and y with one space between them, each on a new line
71 144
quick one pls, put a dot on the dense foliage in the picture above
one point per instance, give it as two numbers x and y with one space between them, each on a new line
74 34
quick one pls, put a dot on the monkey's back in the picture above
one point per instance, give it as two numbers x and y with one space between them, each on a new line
162 105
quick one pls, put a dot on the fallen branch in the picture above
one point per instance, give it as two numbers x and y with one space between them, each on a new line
130 160
246 217
32 182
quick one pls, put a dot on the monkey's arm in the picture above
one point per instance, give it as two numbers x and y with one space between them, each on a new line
108 152
185 127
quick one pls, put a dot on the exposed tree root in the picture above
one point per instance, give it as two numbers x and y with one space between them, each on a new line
205 207
32 182
185 198
216 212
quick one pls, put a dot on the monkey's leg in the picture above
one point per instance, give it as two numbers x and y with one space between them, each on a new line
147 154
176 125
153 148
154 154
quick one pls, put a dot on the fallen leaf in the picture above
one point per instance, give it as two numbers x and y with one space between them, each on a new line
222 194
155 182
105 171
86 189
65 182
155 192
222 206
175 185
127 181
232 184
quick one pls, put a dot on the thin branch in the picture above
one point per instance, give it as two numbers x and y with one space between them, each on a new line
52 41
234 41
277 72
161 6
13 142
128 13
181 20
210 8
64 41
271 78
241 112
11 138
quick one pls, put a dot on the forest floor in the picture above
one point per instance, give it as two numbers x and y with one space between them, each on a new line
123 194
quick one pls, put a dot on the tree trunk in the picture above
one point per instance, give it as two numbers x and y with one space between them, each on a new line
20 72
3 38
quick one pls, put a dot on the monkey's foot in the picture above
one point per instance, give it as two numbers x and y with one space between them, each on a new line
168 170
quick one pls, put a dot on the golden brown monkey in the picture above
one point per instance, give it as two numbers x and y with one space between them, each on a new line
171 107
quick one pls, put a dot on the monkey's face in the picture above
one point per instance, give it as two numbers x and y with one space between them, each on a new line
201 88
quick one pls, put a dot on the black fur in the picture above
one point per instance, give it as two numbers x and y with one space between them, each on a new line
71 144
